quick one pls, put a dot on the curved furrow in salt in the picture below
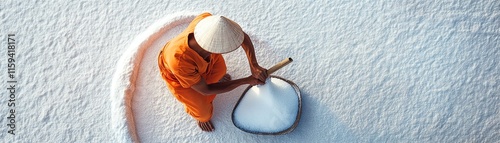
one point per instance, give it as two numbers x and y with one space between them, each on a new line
140 57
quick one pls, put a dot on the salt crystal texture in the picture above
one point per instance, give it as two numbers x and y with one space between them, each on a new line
370 71
268 108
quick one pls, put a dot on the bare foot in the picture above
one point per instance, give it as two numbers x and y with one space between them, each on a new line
206 126
225 78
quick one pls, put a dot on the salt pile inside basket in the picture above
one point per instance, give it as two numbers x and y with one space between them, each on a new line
272 107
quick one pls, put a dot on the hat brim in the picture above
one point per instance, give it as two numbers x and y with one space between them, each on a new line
218 34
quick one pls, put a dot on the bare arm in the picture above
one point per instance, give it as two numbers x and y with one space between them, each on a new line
222 87
258 76
257 71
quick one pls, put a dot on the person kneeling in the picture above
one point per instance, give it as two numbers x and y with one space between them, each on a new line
195 72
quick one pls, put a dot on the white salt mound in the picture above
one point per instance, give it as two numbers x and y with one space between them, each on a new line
268 108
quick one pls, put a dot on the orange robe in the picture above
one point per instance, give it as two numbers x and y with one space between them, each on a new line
181 67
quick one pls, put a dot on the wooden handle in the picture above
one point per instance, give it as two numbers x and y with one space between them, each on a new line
279 65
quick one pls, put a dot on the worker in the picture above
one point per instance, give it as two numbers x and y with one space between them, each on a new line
195 71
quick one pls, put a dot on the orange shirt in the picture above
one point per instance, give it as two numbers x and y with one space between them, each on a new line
181 67
185 67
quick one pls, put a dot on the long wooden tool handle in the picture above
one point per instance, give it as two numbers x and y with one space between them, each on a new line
279 65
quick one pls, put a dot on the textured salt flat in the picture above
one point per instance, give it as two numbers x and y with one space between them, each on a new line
369 71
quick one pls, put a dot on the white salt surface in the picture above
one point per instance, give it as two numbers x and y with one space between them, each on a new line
267 108
369 71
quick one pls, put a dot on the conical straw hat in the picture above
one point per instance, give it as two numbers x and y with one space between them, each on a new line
217 34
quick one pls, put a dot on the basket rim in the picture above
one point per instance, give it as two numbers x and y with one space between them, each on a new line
285 131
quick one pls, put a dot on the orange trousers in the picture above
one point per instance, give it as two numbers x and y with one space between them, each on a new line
197 105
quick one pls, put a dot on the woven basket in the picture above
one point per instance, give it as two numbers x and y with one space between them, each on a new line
288 130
